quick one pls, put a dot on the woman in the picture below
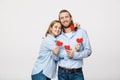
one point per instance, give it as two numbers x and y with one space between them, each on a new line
45 66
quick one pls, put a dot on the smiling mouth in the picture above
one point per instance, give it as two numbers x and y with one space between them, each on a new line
57 32
65 22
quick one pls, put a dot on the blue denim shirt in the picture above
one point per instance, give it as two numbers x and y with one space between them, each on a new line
46 61
83 52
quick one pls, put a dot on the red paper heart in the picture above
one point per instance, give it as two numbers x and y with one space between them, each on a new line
67 47
72 27
79 40
59 43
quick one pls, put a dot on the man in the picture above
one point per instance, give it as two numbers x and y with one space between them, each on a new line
76 46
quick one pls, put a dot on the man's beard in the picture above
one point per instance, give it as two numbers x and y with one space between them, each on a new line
67 26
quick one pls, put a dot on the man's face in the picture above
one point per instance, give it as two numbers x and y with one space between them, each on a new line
65 19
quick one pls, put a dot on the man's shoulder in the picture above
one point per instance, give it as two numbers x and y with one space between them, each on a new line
81 30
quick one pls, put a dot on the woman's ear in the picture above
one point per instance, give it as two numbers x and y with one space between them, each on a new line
50 28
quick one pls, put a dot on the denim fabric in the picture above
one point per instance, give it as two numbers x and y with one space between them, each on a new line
63 75
39 76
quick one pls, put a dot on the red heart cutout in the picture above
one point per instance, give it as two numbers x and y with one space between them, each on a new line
79 40
72 27
67 47
59 43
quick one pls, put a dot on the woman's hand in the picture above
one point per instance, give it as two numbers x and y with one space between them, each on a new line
56 50
77 25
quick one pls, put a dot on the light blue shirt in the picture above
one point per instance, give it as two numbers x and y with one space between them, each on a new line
47 61
83 52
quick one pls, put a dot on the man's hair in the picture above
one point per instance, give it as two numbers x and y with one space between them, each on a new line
62 11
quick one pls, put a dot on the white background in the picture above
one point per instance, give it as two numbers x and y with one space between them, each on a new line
23 23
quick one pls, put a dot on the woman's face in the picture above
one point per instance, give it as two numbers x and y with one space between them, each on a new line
56 29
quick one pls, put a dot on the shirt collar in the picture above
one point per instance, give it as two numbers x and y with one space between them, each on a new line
73 33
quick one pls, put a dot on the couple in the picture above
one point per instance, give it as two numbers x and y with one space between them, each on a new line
65 45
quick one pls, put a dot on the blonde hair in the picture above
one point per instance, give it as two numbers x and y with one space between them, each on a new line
50 26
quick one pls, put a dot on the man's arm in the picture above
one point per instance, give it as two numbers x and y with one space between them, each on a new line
86 48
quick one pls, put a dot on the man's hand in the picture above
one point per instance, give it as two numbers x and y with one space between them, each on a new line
70 53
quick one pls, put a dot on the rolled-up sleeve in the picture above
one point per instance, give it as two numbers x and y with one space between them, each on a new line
49 46
86 51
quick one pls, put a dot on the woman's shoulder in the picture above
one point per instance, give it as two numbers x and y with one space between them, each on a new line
45 39
49 39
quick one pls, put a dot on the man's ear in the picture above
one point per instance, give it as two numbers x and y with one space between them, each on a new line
71 18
